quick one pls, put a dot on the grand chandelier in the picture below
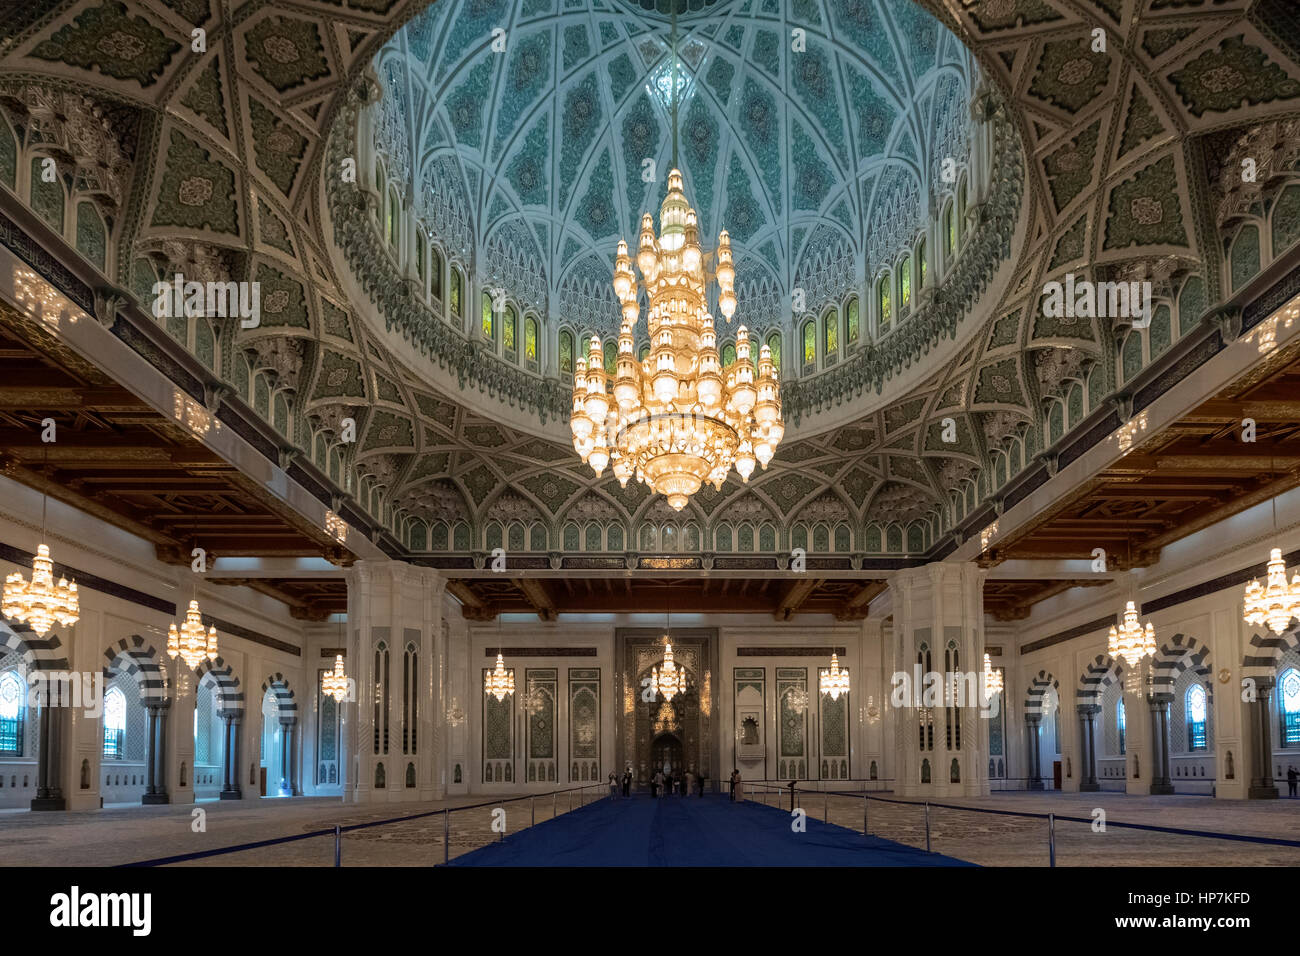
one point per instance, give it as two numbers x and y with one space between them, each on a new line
335 682
190 642
40 602
992 678
500 681
668 680
678 418
1131 642
834 681
1277 603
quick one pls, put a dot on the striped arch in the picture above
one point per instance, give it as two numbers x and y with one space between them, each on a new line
1100 674
1037 688
287 707
133 656
1178 654
38 653
1265 651
230 699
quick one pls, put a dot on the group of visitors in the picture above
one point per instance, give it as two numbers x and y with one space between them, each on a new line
625 781
681 783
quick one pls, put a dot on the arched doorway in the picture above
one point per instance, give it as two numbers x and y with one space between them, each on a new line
666 754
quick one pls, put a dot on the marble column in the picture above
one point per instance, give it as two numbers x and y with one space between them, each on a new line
286 748
1158 704
230 789
1262 786
1032 762
1088 747
49 790
156 755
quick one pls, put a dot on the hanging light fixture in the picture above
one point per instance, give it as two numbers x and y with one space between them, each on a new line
834 681
41 602
190 643
668 679
1131 641
1276 603
335 683
678 418
455 713
992 678
797 699
500 682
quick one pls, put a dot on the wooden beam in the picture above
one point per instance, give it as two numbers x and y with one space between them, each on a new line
794 594
857 606
535 591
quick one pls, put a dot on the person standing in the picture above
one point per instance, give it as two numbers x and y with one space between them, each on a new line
627 782
689 783
613 786
735 778
703 778
1291 778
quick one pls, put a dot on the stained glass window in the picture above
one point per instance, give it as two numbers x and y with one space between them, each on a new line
1290 700
830 324
508 330
456 281
852 321
487 317
419 254
1119 723
921 265
949 230
882 294
905 283
435 274
12 694
530 339
1194 706
566 353
728 354
774 344
393 209
114 722
809 344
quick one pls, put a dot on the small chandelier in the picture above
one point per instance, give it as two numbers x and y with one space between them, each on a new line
41 602
190 642
335 683
1275 604
1131 642
534 701
500 682
992 678
670 681
835 681
455 713
797 699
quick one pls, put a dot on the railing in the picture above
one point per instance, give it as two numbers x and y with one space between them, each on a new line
494 831
915 822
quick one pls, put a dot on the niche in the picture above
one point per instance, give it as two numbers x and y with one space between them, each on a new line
184 775
1228 772
85 775
456 776
873 771
379 776
925 771
954 772
410 776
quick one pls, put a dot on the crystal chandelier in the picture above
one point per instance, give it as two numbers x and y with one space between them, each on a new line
190 642
1275 604
834 681
455 713
500 682
335 683
678 418
669 681
1131 642
41 601
534 701
797 699
992 678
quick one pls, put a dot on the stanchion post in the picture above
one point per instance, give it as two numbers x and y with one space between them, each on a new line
338 845
826 807
532 808
927 827
446 836
864 813
1051 839
555 803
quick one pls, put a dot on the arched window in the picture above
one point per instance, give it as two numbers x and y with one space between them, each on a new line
831 334
1195 710
1119 724
949 230
882 299
566 352
419 256
530 340
611 356
114 723
961 209
454 297
393 219
728 354
1289 702
921 265
435 274
509 329
905 284
643 352
13 698
809 344
851 322
489 331
774 345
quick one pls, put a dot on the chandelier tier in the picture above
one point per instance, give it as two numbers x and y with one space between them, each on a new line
834 681
500 681
190 642
40 602
335 683
1276 603
678 418
1131 641
668 680
992 678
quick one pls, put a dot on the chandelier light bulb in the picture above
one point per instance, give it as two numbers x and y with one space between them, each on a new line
670 680
678 418
41 602
190 643
335 682
500 681
1131 641
1276 603
834 682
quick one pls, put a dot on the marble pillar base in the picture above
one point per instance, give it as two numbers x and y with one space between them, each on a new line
1089 788
58 803
230 795
1262 793
1161 789
152 799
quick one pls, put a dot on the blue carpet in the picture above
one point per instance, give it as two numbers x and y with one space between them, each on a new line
689 831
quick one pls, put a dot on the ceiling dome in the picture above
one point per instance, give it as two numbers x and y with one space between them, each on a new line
529 142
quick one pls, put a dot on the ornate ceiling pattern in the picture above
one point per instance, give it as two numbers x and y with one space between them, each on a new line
224 172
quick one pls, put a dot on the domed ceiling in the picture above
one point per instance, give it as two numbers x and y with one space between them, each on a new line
810 131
